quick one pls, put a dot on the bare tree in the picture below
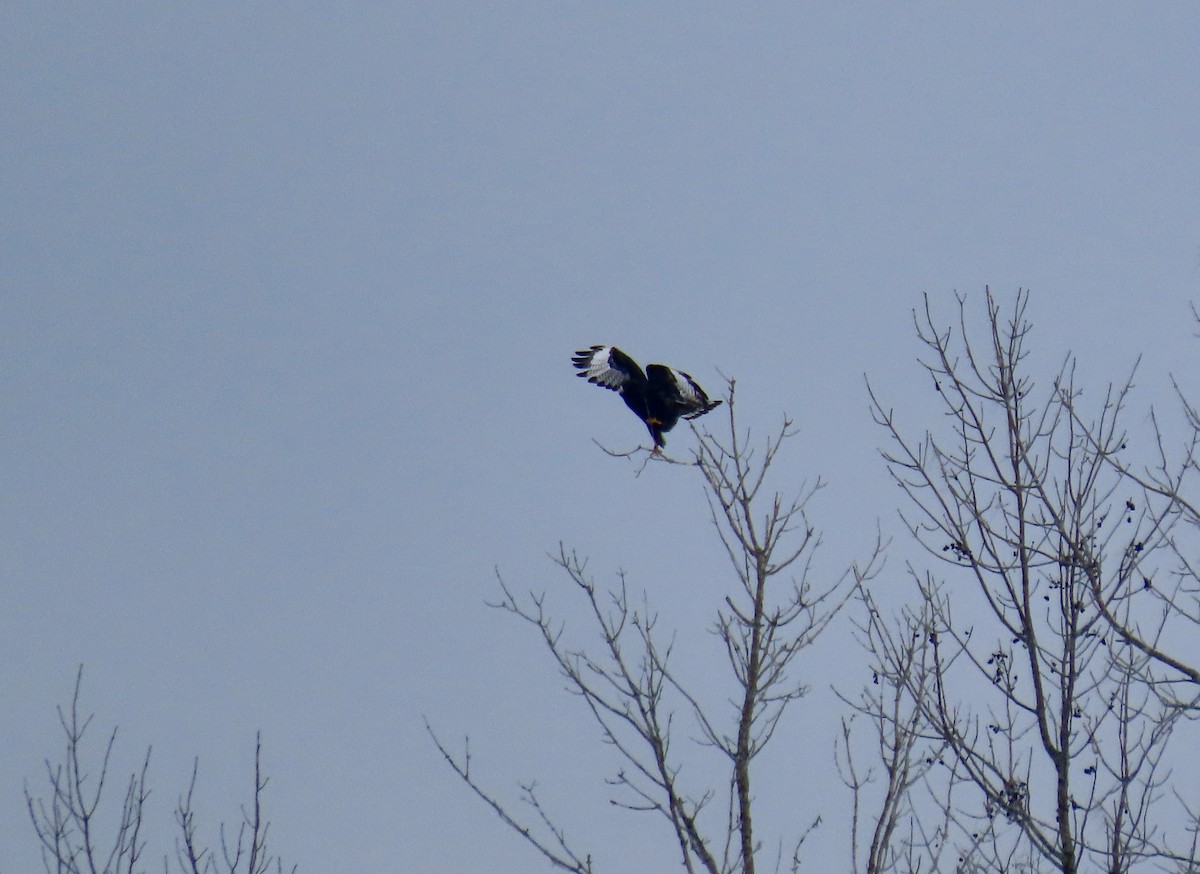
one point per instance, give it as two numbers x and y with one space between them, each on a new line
1153 601
73 827
887 832
637 694
1009 671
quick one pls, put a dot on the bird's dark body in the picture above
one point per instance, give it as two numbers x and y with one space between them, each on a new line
659 397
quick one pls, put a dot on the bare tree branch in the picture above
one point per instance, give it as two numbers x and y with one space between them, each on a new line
1019 495
635 693
72 830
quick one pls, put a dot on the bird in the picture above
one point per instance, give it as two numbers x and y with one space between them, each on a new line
659 397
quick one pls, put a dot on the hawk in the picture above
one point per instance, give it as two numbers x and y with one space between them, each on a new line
658 397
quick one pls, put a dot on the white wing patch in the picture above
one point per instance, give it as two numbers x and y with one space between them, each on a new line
688 390
693 401
596 365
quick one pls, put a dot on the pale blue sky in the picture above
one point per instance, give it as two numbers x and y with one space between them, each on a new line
288 297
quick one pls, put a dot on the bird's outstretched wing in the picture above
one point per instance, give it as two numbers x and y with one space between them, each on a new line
608 367
683 392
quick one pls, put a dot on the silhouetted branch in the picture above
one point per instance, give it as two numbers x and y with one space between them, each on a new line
75 836
637 696
1018 494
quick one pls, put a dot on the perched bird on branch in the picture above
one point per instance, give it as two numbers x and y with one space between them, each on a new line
659 397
